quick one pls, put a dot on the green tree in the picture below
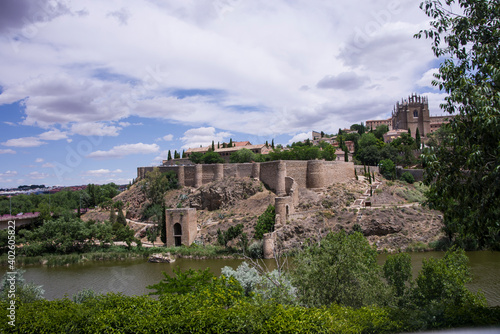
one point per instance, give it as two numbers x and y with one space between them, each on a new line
169 155
212 158
417 139
380 131
120 218
243 155
388 169
231 233
196 157
397 271
341 269
265 222
443 282
463 172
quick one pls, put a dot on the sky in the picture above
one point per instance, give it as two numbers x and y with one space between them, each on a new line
90 90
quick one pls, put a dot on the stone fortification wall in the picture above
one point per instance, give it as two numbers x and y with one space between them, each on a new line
238 170
338 172
298 171
189 172
306 174
268 173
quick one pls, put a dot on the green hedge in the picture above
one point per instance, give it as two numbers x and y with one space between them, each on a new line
215 312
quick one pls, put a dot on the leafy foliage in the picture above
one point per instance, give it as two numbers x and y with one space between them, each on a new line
341 269
388 169
407 177
231 233
182 282
464 170
265 222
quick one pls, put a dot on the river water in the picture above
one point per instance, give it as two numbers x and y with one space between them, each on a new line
131 277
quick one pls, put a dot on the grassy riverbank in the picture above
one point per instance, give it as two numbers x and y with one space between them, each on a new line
113 253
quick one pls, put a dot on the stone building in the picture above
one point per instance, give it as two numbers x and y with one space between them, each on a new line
181 227
412 114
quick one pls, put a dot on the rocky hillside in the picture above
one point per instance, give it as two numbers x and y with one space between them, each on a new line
395 221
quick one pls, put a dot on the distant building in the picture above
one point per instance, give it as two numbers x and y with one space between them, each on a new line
372 124
225 153
410 114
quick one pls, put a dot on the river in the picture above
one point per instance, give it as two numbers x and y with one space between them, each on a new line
131 277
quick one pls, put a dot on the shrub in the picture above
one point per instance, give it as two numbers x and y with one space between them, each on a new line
407 177
387 169
341 269
265 223
256 250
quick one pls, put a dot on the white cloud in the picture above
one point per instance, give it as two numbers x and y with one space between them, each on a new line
100 172
427 78
48 165
95 129
24 142
121 15
123 150
39 160
203 137
7 151
300 137
213 64
54 134
8 173
168 137
38 175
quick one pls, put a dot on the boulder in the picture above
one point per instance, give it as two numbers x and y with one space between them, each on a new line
375 227
161 258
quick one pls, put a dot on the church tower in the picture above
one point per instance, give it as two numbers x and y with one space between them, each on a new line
412 113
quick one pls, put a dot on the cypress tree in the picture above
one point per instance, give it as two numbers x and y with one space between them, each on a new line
213 146
120 219
163 222
272 143
112 216
169 155
346 156
183 154
230 142
417 138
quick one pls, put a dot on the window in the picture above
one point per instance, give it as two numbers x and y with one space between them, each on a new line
415 113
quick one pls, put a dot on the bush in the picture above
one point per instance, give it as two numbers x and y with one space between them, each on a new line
340 269
407 177
265 222
256 250
388 169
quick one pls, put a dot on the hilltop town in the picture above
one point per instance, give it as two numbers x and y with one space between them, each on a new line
310 197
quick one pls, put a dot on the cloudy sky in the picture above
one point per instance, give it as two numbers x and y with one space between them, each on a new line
90 90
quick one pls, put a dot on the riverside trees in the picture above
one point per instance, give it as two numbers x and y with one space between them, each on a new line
464 170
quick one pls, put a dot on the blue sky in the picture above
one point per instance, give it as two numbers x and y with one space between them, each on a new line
90 90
